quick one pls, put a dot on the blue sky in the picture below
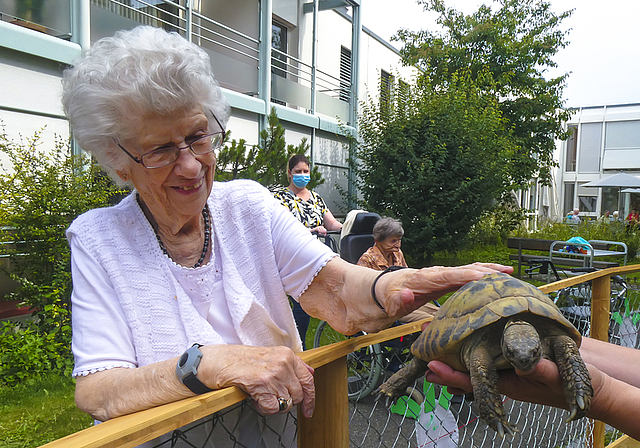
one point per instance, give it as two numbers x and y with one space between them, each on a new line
603 56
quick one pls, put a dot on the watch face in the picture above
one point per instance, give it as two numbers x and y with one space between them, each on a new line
183 359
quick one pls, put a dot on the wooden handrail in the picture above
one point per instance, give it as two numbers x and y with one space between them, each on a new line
134 429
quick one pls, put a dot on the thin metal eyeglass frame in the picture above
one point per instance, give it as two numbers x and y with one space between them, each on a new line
213 148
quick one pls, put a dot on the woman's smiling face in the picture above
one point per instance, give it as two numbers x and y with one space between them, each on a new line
177 192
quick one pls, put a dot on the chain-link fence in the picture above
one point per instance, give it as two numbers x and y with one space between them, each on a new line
428 416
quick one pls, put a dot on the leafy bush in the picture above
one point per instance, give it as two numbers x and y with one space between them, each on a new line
41 192
28 354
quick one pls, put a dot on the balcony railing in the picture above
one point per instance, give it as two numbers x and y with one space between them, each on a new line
234 54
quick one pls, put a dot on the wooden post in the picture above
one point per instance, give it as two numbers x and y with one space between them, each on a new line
600 310
329 426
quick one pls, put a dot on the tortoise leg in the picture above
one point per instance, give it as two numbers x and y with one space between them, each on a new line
396 386
484 381
575 376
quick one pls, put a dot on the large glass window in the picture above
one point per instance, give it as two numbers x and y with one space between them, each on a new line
590 144
572 148
609 200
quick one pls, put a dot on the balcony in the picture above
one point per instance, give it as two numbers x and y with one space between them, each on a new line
52 17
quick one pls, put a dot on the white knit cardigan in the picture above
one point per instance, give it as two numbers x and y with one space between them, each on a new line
160 315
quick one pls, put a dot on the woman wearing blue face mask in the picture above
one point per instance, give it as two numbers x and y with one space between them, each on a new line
310 209
307 206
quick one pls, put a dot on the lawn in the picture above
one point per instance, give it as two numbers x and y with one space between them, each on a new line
32 415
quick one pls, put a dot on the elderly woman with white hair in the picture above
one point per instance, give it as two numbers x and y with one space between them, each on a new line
182 287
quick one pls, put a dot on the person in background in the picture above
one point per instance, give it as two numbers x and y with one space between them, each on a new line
386 252
572 217
616 384
632 220
605 218
308 208
306 205
188 278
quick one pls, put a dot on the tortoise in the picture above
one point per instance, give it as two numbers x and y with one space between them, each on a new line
498 322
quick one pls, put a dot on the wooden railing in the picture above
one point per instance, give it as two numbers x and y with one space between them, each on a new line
329 426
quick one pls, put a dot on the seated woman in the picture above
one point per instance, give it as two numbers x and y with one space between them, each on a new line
386 252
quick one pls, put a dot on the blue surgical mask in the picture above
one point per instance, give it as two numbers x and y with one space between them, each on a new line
301 180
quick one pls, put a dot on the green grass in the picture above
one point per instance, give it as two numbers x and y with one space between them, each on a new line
31 416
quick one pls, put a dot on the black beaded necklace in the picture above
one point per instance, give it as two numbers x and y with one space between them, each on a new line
207 234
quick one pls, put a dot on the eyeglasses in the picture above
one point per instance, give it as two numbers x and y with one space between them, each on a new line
166 155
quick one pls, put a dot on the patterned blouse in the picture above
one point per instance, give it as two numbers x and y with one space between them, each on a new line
374 259
310 212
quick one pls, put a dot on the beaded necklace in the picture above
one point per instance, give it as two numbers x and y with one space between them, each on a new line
207 234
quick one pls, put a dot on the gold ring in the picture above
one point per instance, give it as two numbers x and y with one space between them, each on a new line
283 404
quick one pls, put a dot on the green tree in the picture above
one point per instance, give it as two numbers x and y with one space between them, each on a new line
267 162
435 159
41 192
516 43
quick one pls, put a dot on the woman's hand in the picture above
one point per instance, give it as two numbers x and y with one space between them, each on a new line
265 373
542 385
320 230
404 291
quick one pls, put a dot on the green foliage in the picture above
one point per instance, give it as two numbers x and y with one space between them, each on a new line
516 43
435 159
495 224
41 192
28 354
32 415
267 162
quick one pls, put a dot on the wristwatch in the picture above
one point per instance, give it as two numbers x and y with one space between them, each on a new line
187 369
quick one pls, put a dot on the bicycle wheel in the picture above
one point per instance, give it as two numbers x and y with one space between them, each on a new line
364 366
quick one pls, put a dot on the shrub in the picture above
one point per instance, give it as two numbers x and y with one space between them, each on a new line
41 192
28 355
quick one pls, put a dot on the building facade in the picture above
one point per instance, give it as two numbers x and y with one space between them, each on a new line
313 62
605 140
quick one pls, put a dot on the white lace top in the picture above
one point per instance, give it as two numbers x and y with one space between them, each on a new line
132 305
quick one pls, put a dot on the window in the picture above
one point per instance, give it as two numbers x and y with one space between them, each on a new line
590 144
345 74
386 86
569 192
572 147
587 204
279 44
609 199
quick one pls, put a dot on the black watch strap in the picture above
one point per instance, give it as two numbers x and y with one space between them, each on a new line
187 369
195 385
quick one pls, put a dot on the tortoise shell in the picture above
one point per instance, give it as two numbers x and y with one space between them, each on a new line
481 303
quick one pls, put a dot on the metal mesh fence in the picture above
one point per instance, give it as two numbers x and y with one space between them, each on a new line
428 416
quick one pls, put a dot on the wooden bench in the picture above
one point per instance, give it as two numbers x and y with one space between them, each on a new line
544 246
